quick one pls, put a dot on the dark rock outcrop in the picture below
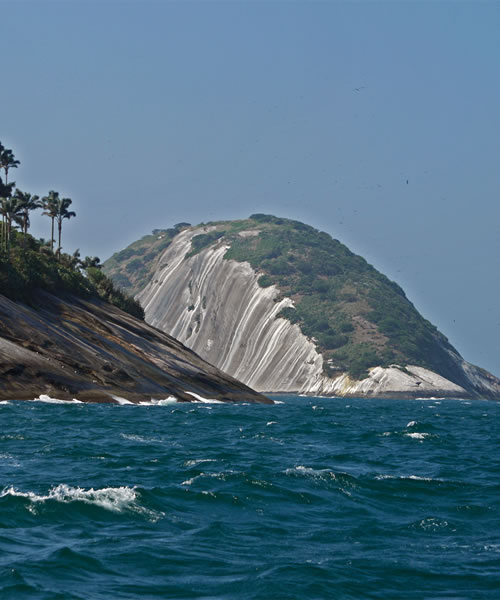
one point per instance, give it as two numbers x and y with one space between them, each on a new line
91 351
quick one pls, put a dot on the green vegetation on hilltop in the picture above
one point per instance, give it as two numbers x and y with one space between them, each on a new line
357 317
28 265
131 269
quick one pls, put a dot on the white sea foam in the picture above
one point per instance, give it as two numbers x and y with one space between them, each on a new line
49 400
414 477
139 438
121 401
310 472
163 401
222 475
115 499
278 402
198 461
271 423
417 435
159 402
9 460
411 424
204 400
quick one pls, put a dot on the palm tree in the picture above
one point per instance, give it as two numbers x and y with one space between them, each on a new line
91 262
62 213
3 205
50 209
7 161
11 212
28 203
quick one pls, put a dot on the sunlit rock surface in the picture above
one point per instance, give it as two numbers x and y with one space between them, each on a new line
92 351
216 307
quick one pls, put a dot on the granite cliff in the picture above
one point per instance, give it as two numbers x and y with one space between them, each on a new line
285 308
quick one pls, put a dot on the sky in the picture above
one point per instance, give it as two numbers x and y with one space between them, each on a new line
377 122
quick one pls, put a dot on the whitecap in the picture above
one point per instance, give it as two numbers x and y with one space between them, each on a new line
114 499
411 424
205 400
49 400
160 402
417 435
271 423
414 477
278 402
310 472
189 481
221 475
110 498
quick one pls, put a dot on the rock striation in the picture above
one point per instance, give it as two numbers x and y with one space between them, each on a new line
219 308
91 351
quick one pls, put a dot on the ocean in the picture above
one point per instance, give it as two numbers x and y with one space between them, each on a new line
307 499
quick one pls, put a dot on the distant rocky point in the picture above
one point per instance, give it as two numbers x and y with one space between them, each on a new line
285 308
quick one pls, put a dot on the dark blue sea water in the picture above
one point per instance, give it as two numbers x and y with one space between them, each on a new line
312 498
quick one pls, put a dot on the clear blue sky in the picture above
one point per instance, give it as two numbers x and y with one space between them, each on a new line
150 113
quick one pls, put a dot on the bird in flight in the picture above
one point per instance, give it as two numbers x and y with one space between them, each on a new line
359 88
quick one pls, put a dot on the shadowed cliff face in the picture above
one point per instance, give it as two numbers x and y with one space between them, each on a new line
92 351
216 307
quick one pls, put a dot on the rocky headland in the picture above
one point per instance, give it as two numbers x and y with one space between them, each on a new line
85 349
287 309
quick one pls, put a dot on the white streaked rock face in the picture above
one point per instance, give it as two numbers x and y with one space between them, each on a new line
216 307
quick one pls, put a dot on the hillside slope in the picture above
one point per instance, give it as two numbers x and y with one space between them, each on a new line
71 348
286 308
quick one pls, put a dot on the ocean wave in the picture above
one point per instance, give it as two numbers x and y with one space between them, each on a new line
405 477
114 499
340 481
220 475
309 471
161 402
